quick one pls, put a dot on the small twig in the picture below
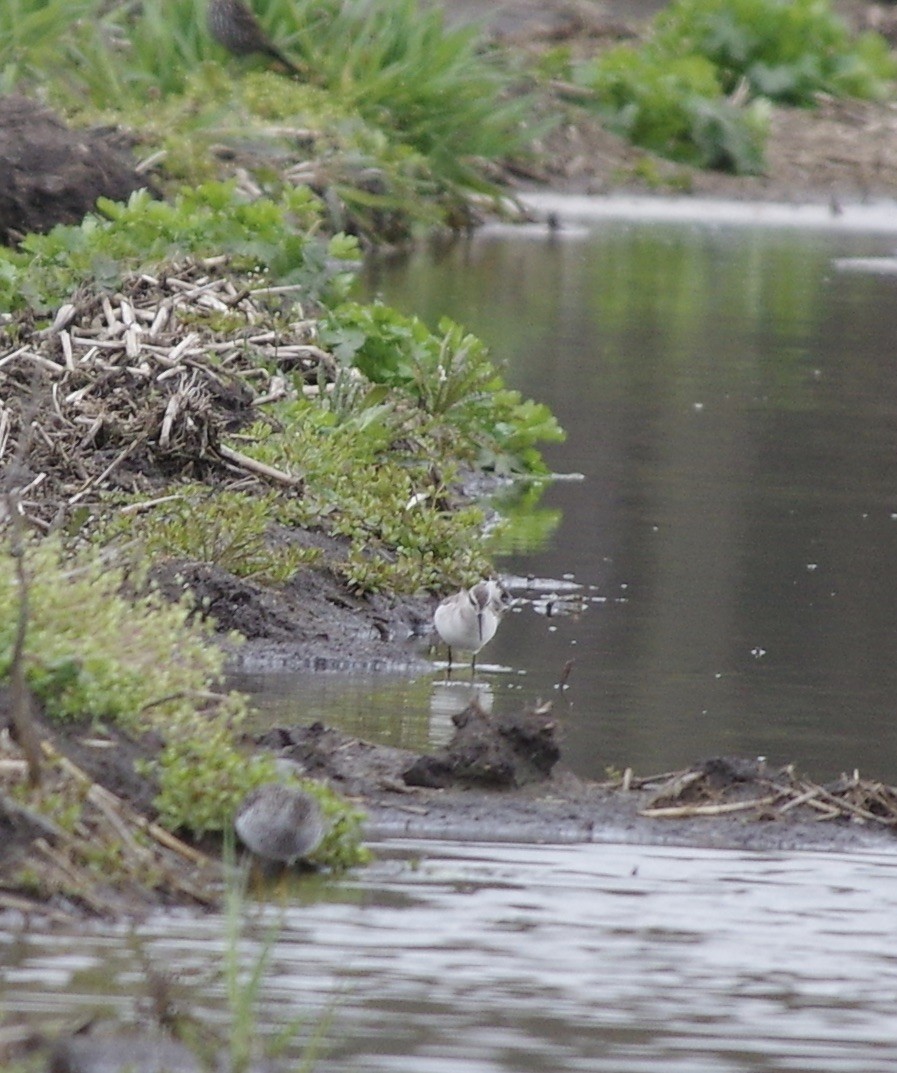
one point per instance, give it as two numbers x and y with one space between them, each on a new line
148 504
72 879
565 673
117 461
22 714
682 811
259 468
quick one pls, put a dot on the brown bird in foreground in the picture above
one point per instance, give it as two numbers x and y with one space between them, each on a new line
235 26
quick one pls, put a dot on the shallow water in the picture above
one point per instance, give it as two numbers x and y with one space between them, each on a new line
730 399
536 960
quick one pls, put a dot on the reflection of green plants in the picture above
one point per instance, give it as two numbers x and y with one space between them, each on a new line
527 527
228 529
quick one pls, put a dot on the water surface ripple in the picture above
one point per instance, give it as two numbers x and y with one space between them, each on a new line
535 959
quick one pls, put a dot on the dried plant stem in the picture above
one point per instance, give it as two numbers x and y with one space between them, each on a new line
22 715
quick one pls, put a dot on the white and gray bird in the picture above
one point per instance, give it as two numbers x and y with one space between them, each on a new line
468 620
280 823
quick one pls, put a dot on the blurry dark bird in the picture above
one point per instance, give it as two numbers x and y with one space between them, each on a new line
235 26
280 823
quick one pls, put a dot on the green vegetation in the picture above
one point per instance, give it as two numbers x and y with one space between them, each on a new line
140 655
144 665
364 417
697 90
364 426
265 234
673 105
400 119
229 529
403 409
785 50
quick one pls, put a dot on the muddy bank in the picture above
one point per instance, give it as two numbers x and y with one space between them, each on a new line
314 622
503 780
500 779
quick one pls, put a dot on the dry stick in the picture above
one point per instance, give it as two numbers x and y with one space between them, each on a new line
259 468
565 673
154 830
682 811
75 882
805 798
22 715
85 488
22 905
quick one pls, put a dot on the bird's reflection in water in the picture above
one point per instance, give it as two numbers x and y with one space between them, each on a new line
451 698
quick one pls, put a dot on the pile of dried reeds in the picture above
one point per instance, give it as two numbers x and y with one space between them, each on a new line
727 785
124 389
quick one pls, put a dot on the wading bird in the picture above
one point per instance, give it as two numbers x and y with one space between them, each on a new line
468 620
280 823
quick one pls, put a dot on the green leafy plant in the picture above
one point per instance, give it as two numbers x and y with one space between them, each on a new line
675 95
446 374
673 105
436 88
212 219
33 33
369 477
203 777
786 50
341 847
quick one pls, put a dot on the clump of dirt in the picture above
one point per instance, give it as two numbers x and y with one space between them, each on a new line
498 752
53 174
502 752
